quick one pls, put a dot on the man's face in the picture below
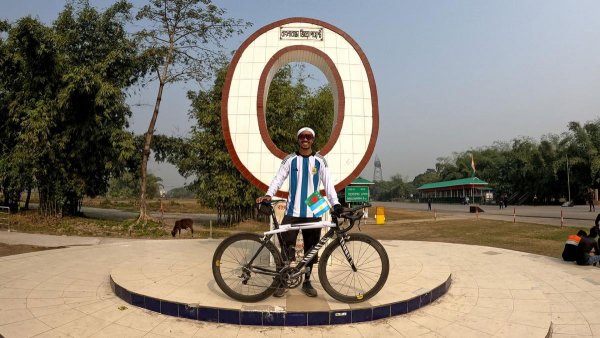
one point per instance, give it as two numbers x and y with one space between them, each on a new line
305 140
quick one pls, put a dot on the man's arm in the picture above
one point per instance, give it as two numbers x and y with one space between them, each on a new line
282 174
325 177
597 220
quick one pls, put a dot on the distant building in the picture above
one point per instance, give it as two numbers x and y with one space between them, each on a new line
456 191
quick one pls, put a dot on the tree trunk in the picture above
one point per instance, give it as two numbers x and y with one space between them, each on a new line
27 199
146 154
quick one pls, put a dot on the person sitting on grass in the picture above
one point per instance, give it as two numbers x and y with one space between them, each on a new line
569 253
588 243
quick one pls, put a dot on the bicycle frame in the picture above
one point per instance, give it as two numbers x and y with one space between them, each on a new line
311 253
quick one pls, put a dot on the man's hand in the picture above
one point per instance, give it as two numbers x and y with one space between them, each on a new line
337 210
263 198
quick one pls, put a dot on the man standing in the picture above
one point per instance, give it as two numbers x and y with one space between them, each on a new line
305 169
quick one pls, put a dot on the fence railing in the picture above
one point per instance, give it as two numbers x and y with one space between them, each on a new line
5 218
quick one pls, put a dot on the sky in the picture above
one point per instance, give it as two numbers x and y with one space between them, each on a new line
451 76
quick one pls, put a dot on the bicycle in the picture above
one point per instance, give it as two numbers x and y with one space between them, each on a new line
353 268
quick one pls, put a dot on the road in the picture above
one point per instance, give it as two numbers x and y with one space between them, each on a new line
577 216
114 214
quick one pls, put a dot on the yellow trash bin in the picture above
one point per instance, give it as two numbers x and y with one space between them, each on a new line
379 215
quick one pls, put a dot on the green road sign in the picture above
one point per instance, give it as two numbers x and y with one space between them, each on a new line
357 194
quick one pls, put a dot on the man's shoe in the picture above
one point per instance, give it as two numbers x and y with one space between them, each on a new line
280 292
308 289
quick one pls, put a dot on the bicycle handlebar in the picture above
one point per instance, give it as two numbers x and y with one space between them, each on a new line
351 214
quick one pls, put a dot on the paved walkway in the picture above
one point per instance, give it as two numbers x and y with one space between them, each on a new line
494 293
52 241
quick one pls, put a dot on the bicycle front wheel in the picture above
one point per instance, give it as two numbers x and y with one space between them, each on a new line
240 280
338 278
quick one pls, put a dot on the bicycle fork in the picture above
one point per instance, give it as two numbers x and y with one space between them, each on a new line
347 253
326 237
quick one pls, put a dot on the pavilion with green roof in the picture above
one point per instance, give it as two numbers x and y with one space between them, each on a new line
454 191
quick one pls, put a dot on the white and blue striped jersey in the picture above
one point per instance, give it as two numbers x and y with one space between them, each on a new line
305 173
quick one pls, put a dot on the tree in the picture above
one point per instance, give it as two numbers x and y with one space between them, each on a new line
218 183
583 151
429 176
183 42
290 100
127 186
394 189
100 61
180 192
63 89
30 77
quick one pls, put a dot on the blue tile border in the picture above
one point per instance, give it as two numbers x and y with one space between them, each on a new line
152 304
137 300
399 308
340 317
169 308
207 314
267 318
189 312
251 318
229 316
296 319
318 318
273 318
362 315
382 312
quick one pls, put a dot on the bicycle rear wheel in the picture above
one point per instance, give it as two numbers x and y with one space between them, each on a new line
231 271
348 286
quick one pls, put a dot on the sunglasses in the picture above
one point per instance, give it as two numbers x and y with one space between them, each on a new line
305 137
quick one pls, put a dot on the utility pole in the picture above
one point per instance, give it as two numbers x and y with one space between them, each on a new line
568 179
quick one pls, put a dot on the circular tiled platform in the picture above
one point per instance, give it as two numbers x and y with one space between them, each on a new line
180 283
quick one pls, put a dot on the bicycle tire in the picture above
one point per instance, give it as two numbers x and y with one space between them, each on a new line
371 261
230 257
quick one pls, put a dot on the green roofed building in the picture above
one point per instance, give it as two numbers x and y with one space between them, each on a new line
361 181
456 191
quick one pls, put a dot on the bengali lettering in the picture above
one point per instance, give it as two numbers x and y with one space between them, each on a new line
290 33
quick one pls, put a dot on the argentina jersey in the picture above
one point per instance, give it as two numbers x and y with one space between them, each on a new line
304 180
304 174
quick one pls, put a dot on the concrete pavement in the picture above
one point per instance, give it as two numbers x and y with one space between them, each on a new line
494 293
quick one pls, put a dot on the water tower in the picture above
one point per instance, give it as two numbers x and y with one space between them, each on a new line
378 173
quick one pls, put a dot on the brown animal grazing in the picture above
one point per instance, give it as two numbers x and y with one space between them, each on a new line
186 223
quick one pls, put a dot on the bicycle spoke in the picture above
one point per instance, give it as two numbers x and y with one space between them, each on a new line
233 267
351 283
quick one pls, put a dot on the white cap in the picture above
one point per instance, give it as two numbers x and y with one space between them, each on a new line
305 129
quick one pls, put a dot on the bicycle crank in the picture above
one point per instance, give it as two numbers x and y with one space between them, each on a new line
292 277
